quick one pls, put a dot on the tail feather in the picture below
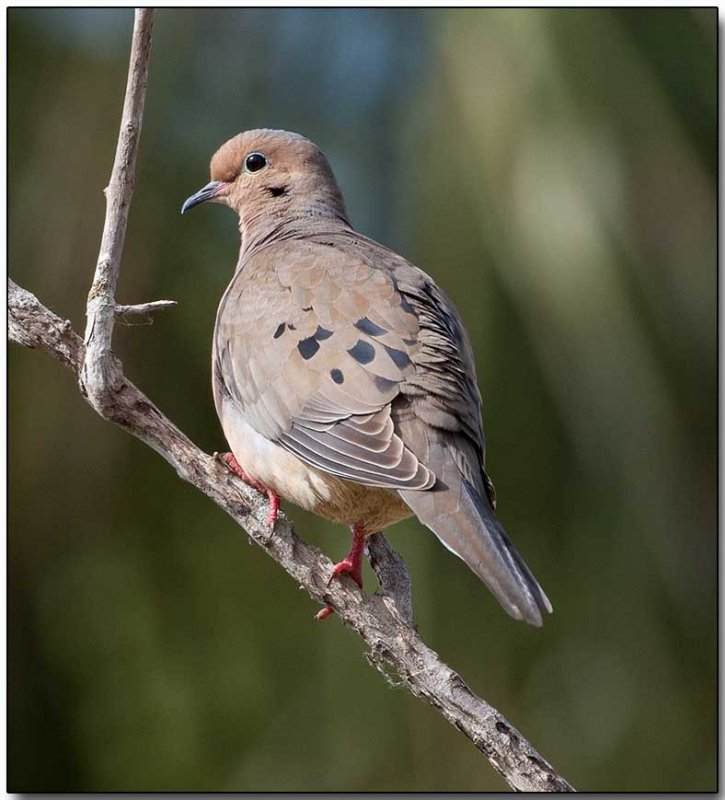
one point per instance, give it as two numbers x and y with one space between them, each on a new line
517 566
462 518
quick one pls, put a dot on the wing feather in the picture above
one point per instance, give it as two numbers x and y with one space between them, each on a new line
314 348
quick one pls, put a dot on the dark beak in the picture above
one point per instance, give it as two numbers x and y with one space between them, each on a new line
202 195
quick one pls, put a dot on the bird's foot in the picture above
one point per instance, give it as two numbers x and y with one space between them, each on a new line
350 565
272 497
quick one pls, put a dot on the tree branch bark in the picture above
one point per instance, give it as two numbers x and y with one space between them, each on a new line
101 373
384 621
143 309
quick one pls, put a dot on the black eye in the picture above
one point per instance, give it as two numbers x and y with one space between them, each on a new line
254 162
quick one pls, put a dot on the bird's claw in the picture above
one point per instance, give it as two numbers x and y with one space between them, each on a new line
272 497
346 567
273 512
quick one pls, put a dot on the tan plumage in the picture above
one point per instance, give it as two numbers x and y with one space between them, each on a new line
343 376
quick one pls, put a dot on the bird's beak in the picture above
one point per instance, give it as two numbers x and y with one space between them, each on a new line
209 191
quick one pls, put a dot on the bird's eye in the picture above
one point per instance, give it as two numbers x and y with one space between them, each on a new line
254 162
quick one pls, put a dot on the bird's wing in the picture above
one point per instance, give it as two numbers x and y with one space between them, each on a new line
312 345
439 419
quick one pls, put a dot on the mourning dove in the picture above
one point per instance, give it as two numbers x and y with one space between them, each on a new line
343 376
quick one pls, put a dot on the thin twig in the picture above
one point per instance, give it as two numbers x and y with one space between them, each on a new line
143 309
383 621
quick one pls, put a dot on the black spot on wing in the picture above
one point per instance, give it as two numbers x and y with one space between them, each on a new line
337 376
383 385
322 333
280 330
368 326
308 347
405 305
362 352
399 358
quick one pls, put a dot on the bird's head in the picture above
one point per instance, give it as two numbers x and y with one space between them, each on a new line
271 174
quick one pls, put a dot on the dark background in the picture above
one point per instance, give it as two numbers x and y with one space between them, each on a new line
555 171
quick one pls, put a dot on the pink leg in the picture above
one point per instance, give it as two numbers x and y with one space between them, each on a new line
350 565
273 498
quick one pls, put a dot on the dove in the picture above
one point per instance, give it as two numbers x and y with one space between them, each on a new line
343 376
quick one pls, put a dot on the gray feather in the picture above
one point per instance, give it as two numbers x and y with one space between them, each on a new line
461 516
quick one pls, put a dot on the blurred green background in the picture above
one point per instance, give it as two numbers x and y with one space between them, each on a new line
555 171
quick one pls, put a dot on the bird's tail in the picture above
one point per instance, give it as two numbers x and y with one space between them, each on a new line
461 516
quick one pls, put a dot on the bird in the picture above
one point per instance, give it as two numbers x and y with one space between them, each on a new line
343 375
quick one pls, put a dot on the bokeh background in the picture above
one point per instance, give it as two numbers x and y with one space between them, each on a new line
555 171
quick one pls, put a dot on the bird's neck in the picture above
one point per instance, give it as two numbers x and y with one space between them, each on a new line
259 230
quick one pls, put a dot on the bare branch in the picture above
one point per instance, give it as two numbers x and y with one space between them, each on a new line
32 325
141 312
143 309
384 621
101 373
393 576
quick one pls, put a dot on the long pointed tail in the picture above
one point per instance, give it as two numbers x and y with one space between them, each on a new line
464 521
